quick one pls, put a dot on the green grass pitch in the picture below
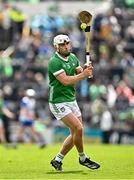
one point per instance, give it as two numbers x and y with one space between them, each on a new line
29 162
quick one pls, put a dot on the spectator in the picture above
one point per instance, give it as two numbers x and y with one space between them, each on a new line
4 113
106 125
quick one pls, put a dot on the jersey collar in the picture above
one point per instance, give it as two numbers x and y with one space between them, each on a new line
61 57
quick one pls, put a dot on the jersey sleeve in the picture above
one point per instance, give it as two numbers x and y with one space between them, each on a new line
78 64
23 102
55 67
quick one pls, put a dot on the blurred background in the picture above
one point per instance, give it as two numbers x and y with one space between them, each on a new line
107 101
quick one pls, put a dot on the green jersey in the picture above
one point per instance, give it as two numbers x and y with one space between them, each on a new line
59 93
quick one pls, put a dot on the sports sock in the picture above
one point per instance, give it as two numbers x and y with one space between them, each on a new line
59 157
82 156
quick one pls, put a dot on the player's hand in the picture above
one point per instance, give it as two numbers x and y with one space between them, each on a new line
87 65
12 115
88 70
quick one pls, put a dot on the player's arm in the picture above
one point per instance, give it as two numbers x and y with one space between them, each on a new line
68 80
7 112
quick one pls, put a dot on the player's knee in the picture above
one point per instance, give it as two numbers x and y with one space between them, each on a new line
80 130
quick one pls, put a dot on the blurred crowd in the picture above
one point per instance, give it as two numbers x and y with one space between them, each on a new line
107 100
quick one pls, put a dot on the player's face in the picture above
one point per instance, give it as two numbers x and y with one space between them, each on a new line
64 49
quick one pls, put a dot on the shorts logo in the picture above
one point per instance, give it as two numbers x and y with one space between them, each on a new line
62 109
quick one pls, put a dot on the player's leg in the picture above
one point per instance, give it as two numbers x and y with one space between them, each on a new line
76 127
67 144
84 160
66 147
19 133
37 137
18 137
75 138
2 133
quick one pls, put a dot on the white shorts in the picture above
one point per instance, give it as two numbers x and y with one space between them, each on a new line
60 110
